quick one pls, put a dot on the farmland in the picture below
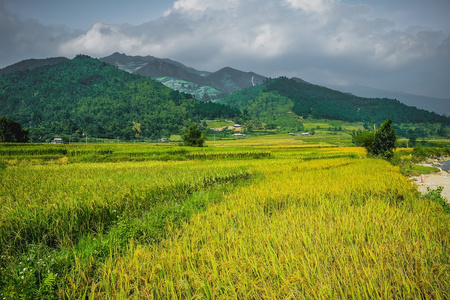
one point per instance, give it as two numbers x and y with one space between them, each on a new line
266 218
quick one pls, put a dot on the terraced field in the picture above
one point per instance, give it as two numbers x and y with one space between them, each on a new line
238 221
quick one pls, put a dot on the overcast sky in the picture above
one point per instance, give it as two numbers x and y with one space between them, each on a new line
401 45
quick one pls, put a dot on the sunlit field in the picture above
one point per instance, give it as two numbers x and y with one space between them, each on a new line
258 218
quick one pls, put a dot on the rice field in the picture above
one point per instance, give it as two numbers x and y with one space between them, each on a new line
225 222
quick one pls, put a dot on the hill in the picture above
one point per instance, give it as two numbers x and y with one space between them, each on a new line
31 64
204 85
285 102
87 96
437 105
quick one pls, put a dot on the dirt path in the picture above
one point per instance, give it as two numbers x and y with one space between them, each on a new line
433 181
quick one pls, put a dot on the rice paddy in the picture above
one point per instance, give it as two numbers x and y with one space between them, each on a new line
226 222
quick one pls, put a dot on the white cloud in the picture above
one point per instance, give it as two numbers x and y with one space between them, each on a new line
101 39
318 6
320 40
205 4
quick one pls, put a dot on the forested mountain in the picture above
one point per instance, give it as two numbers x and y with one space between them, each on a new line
286 100
87 96
30 64
204 85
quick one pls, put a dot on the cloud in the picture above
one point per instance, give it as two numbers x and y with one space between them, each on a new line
318 6
323 41
28 39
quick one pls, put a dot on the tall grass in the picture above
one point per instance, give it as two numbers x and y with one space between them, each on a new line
296 223
355 230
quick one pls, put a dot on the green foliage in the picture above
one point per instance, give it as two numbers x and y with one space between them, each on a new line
421 153
436 196
384 141
363 138
381 143
11 131
86 96
31 275
309 100
194 137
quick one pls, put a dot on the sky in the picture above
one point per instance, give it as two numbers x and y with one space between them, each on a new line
401 45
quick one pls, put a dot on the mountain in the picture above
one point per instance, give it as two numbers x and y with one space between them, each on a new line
288 101
231 80
203 85
159 68
132 64
437 105
31 64
87 96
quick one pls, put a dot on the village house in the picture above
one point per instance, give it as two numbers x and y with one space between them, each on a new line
57 141
235 127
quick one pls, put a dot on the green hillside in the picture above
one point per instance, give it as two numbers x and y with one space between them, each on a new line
286 102
85 96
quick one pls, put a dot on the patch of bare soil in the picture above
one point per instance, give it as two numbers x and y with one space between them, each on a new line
433 181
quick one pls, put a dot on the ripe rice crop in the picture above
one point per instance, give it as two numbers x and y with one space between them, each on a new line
296 223
355 230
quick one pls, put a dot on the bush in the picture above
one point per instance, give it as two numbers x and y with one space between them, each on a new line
11 131
194 137
381 143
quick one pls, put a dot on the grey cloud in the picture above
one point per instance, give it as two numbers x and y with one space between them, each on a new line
336 43
28 39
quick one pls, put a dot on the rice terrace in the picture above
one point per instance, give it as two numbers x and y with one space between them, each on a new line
268 217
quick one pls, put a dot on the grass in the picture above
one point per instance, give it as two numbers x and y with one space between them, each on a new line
269 217
353 235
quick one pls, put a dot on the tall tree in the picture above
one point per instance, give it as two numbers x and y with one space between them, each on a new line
11 131
384 140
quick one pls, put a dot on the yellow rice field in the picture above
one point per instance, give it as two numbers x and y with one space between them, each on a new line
300 223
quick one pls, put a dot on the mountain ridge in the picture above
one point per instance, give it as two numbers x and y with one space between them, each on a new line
225 80
288 101
30 64
437 105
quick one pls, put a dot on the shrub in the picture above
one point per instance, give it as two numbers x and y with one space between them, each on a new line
194 137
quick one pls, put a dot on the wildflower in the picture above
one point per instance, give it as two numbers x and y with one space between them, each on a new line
23 277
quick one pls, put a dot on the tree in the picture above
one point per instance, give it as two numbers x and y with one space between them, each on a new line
363 138
194 137
384 140
381 143
11 131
